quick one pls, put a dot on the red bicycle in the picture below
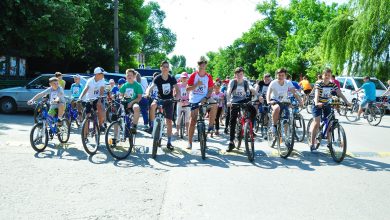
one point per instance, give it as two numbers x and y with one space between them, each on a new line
244 129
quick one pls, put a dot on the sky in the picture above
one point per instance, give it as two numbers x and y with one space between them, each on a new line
207 25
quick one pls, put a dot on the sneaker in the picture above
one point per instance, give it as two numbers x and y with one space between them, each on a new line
230 147
150 130
102 129
189 147
313 148
217 133
210 129
146 129
133 129
176 133
169 146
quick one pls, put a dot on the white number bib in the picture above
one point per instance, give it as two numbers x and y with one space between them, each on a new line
166 87
183 92
240 91
326 92
53 95
129 92
76 90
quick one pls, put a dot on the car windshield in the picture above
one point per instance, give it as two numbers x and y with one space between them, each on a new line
378 85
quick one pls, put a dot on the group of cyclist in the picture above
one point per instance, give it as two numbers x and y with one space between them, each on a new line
191 91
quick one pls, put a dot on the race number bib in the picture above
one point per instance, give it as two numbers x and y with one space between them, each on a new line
155 92
183 92
53 95
200 89
264 90
282 95
96 91
326 92
166 87
240 91
129 93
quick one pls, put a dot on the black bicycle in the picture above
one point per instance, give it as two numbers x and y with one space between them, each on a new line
90 130
201 127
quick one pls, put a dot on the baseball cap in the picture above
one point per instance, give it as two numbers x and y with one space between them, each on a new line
111 81
121 81
98 70
184 75
77 76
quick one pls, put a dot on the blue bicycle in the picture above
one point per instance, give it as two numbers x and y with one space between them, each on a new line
72 114
47 128
330 130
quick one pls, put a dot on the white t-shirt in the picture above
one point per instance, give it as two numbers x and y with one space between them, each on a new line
201 91
278 92
144 84
93 88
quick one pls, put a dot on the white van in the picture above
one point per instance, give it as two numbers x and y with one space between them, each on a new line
349 84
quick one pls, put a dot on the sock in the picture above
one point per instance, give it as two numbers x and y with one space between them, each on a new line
169 139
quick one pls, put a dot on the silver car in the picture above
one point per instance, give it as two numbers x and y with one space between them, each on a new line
15 98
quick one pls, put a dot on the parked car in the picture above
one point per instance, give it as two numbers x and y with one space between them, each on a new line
350 84
15 98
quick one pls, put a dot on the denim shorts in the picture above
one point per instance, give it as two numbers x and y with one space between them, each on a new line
324 111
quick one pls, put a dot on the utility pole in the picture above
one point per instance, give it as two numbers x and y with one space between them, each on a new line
116 37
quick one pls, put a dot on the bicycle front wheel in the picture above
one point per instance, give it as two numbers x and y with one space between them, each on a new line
286 138
156 138
351 114
202 139
239 137
90 136
338 143
300 128
39 137
182 124
374 116
118 140
249 141
63 133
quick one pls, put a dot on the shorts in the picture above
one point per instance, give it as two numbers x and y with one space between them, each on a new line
187 111
167 107
307 91
88 106
283 107
364 102
324 111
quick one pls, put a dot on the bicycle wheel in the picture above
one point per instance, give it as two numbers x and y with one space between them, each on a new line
79 119
156 138
338 142
37 113
202 139
63 131
182 124
309 107
374 116
300 128
351 114
249 141
90 136
118 140
39 137
239 137
258 122
286 138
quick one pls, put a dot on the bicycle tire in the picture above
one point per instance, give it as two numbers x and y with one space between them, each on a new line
182 125
156 138
351 114
79 119
258 122
283 138
45 138
112 145
340 131
249 142
302 124
65 128
84 137
309 108
375 115
202 139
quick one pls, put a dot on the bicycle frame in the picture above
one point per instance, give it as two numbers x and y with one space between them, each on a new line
159 117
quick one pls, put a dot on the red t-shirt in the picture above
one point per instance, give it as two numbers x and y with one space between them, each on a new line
201 91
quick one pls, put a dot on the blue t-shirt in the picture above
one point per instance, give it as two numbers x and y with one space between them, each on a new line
76 90
296 85
115 90
369 91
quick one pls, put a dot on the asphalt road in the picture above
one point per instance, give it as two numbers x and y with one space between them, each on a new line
64 183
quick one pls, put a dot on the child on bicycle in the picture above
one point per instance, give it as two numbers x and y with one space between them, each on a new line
183 96
131 91
219 97
57 98
75 89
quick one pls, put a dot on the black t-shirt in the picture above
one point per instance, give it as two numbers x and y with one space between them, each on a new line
165 87
263 88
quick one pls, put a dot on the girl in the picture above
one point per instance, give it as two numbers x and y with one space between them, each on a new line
183 96
218 96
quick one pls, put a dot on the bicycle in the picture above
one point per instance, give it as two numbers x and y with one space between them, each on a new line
244 129
182 125
38 109
158 125
382 104
285 135
46 128
373 114
73 114
308 103
90 130
329 128
201 127
351 112
298 121
262 120
119 131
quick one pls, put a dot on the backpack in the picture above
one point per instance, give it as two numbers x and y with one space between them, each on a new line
246 86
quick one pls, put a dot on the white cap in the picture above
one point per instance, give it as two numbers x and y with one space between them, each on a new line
77 76
99 70
111 81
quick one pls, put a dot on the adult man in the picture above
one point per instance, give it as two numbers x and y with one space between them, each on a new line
200 86
131 91
278 93
165 84
94 89
369 94
239 91
323 91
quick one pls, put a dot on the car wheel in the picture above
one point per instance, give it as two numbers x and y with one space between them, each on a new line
8 105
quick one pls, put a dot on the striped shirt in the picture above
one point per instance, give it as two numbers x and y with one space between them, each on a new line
325 90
